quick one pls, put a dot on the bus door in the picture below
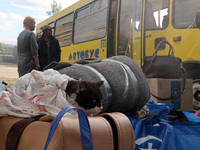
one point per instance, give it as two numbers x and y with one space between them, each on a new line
174 21
156 26
141 27
125 28
112 28
129 35
137 31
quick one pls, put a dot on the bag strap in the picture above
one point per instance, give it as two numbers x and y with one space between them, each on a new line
171 49
182 92
170 54
85 130
16 131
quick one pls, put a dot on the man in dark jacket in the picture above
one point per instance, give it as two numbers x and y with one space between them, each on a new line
49 48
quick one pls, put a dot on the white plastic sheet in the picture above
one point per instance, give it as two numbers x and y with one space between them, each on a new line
34 94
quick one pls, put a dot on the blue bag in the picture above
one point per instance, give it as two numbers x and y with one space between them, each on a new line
84 128
191 117
156 107
158 133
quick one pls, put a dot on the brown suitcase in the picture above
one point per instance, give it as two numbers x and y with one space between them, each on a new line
109 131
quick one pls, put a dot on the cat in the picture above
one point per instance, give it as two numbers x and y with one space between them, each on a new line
85 95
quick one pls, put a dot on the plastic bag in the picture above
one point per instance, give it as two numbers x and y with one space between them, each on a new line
4 85
158 133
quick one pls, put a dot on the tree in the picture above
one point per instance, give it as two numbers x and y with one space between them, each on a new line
14 52
1 48
55 7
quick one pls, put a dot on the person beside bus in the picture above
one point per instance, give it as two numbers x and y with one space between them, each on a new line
49 48
27 46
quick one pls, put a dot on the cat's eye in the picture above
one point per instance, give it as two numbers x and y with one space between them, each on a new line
94 100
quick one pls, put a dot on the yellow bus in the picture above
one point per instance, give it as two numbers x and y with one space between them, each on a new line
104 28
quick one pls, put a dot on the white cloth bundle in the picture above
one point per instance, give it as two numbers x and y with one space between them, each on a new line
36 93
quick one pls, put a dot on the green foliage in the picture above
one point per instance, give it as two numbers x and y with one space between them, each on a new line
14 52
55 7
1 48
7 49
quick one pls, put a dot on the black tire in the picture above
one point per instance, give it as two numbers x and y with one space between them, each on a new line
192 68
142 81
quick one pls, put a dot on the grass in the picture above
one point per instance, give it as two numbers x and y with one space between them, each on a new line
10 81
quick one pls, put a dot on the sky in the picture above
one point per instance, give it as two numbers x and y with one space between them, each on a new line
13 12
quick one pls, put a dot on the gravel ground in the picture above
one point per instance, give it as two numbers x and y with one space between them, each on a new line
8 70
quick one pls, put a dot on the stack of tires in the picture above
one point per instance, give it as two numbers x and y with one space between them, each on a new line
125 87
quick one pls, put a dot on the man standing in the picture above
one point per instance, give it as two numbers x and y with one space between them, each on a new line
49 48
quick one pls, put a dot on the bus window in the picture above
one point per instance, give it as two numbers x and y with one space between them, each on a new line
184 12
138 14
82 12
52 25
95 6
165 19
63 30
160 8
150 21
124 40
93 25
156 16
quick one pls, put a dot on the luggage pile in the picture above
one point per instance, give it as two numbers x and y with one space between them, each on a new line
125 91
108 131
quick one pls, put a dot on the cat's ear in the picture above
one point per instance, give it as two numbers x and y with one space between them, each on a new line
82 86
99 83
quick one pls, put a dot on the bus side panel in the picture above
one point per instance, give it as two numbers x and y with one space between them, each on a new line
90 49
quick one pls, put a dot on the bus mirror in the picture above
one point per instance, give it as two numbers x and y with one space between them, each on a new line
197 19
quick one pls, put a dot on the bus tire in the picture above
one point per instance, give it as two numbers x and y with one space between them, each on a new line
192 68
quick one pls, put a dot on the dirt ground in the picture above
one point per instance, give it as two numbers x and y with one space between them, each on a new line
8 70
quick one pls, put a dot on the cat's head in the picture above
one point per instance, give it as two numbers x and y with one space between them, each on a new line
88 96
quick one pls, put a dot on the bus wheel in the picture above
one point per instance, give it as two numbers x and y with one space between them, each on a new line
196 94
192 68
